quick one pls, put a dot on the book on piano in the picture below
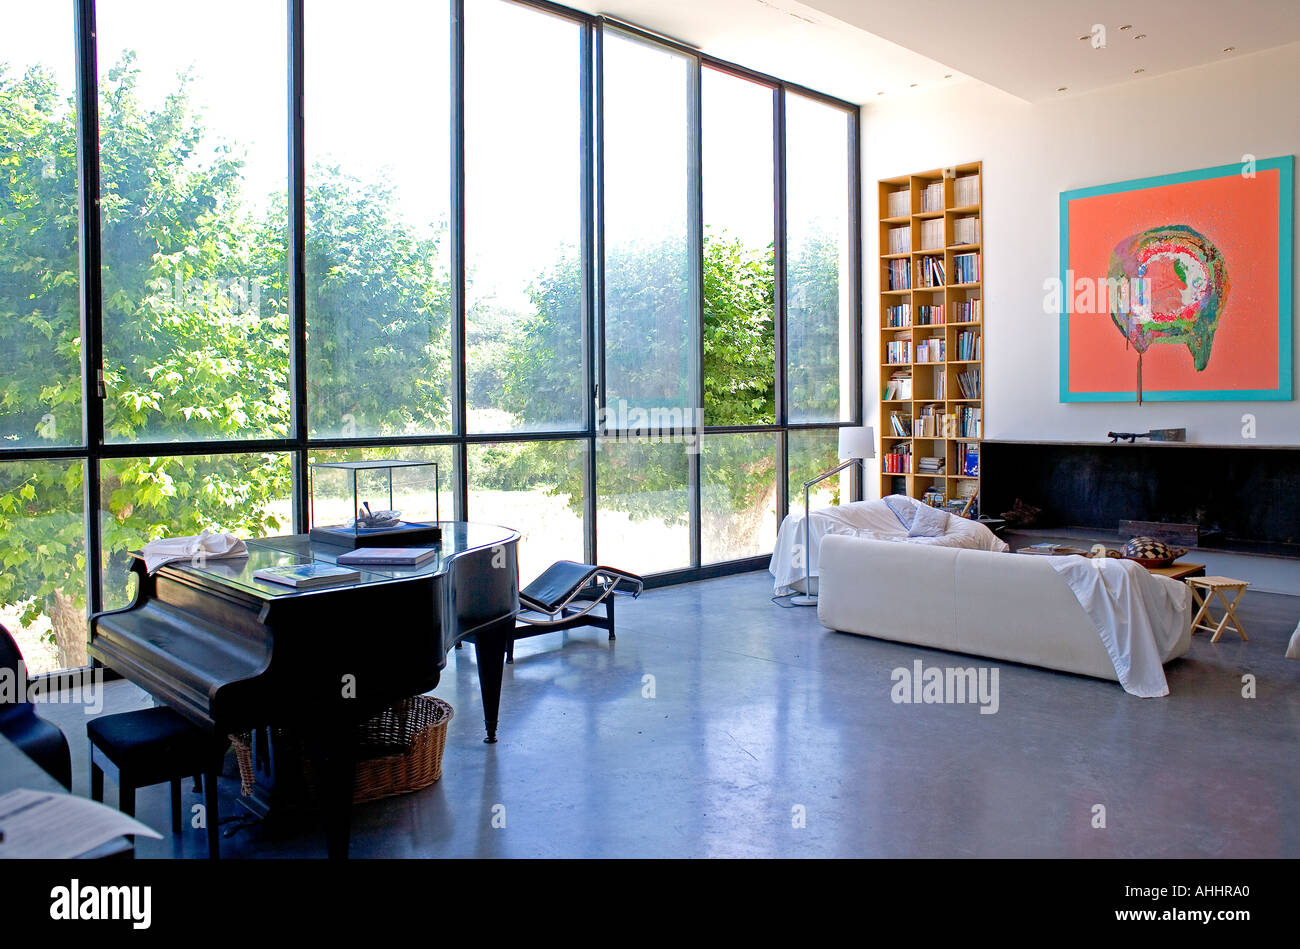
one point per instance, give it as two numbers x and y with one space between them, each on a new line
388 556
305 576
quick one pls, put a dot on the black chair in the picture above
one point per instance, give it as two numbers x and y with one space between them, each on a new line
151 746
40 740
565 595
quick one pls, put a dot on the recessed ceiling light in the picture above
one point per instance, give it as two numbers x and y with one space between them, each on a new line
881 92
1061 88
949 76
912 86
1086 36
1127 26
1140 36
1229 49
1138 70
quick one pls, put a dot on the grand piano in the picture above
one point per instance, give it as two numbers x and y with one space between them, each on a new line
233 653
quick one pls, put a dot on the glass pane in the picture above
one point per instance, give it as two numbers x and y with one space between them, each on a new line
812 452
378 283
739 343
40 324
738 495
536 489
642 505
648 328
43 561
444 456
818 245
193 137
143 499
523 220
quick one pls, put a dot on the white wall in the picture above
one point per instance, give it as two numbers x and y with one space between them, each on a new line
1196 118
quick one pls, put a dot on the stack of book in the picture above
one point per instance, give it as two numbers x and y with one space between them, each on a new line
932 197
966 191
930 272
900 424
929 314
969 381
899 240
968 345
930 350
966 268
900 275
966 230
928 464
898 352
900 203
898 460
898 316
899 387
932 234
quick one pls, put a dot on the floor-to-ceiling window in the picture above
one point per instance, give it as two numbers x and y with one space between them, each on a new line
606 282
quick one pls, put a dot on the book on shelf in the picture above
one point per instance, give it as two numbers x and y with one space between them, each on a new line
898 352
968 346
929 464
929 314
307 576
898 460
966 267
968 380
968 459
966 191
966 230
930 272
900 424
968 422
932 234
899 387
932 197
930 350
898 317
969 311
899 203
940 383
900 275
387 556
900 240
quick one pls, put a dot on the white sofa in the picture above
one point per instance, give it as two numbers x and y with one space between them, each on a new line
1003 606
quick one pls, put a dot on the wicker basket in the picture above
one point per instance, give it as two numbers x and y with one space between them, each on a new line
398 751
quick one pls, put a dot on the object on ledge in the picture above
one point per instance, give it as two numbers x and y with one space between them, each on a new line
1155 435
856 444
1149 552
385 503
551 596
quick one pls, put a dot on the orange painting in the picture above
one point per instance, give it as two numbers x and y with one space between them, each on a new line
1178 287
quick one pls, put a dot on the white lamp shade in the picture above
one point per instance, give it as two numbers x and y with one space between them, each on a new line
859 442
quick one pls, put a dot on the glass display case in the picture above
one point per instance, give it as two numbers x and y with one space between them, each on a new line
388 503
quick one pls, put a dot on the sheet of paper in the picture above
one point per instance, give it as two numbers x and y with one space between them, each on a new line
44 825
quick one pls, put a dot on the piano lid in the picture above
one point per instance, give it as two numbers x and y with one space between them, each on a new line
458 538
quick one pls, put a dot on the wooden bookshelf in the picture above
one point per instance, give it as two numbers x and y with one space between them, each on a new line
937 350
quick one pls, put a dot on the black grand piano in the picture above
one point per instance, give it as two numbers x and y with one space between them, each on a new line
232 653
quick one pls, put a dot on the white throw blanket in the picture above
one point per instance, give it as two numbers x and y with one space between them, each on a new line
871 519
206 546
1139 616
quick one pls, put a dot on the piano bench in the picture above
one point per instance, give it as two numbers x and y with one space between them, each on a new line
150 746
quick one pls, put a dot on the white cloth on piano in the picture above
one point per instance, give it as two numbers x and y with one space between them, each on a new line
205 546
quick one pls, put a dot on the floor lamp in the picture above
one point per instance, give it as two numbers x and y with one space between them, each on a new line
856 444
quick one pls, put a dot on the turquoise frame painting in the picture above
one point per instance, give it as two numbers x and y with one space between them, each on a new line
1178 287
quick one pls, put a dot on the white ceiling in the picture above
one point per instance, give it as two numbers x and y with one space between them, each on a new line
857 49
786 39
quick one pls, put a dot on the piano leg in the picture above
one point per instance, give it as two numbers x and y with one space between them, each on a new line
490 652
338 751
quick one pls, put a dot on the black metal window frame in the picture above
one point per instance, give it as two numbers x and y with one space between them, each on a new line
94 450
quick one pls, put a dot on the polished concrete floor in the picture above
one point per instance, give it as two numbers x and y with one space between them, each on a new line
723 725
